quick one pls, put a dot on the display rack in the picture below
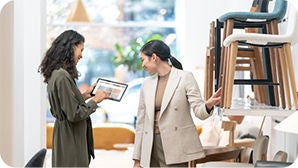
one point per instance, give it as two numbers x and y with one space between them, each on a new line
244 106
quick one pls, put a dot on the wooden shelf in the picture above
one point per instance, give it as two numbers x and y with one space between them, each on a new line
243 106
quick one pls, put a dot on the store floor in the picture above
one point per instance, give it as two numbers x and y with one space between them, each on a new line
103 158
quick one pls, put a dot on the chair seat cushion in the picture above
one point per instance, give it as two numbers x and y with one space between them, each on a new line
278 13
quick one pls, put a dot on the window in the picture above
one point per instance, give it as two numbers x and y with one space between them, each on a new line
113 21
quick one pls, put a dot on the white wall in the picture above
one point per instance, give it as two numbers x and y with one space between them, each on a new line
193 23
24 108
29 43
6 87
283 141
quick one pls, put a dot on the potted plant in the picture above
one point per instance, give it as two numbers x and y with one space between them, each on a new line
129 55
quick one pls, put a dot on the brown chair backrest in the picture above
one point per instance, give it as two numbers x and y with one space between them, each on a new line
108 136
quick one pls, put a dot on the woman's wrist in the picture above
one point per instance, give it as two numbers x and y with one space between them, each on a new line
209 109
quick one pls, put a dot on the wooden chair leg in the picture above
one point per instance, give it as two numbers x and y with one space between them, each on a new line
212 58
209 69
222 58
284 70
208 83
232 66
279 77
227 77
222 51
291 73
222 68
207 77
228 81
224 76
211 72
228 29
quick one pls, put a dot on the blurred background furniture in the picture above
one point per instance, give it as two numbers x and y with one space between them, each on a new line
105 136
279 160
259 153
49 136
280 156
37 159
261 163
229 126
113 136
217 153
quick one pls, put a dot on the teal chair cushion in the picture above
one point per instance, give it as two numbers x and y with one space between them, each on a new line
279 11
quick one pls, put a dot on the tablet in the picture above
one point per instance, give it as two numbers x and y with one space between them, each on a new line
115 89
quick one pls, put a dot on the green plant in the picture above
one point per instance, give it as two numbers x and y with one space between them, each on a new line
129 55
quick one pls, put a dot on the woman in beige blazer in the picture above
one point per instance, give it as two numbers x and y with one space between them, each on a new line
165 132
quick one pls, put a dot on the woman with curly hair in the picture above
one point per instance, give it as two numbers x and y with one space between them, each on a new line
72 137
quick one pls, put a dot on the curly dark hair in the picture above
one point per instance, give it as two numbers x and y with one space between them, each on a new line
61 55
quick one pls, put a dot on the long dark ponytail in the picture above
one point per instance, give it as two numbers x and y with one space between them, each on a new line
162 50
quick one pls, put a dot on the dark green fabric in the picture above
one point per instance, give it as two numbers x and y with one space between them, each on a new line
90 139
70 136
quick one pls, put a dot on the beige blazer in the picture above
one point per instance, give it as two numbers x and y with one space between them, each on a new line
180 139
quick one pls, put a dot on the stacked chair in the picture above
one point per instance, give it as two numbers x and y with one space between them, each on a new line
265 20
213 50
283 66
263 62
248 59
266 53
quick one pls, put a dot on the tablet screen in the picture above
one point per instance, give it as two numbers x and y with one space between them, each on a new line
115 89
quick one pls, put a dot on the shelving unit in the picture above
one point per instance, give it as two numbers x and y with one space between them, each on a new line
241 106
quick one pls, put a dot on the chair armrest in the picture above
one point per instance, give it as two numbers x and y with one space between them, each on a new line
261 163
